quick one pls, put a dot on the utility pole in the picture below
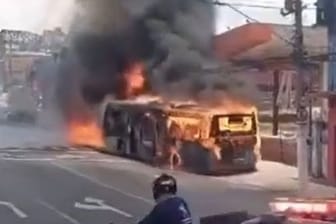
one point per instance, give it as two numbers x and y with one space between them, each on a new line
295 7
329 7
301 102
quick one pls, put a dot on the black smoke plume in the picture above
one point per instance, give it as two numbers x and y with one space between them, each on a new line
171 37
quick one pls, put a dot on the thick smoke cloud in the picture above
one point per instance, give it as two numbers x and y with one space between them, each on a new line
173 38
169 36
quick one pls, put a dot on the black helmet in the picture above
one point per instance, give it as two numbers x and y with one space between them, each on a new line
164 184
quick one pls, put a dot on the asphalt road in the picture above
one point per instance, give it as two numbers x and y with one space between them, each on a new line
57 185
60 185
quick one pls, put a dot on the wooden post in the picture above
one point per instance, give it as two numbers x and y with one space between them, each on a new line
276 84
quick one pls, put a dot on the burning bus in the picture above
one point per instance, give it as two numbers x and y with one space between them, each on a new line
205 140
128 54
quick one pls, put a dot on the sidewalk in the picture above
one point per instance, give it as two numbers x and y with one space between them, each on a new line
319 190
277 177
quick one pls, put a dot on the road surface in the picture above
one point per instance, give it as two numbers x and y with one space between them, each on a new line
61 185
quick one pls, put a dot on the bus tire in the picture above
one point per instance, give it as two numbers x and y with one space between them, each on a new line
203 161
194 158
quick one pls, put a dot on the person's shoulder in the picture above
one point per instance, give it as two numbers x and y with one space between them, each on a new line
176 200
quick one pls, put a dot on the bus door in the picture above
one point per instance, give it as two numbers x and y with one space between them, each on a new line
115 129
161 135
147 146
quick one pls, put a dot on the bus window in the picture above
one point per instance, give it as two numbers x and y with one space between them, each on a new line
147 130
191 132
175 131
114 124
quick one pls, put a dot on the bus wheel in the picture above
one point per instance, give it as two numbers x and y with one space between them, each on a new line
203 161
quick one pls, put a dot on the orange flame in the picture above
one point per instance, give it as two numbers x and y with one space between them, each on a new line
85 134
135 79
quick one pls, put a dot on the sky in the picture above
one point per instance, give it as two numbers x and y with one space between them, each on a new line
36 15
228 18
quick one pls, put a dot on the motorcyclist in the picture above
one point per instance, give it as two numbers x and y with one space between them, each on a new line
169 208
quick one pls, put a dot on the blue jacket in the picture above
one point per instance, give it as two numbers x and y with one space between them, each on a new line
173 210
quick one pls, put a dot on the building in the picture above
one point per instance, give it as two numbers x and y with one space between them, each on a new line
18 65
20 49
53 40
268 47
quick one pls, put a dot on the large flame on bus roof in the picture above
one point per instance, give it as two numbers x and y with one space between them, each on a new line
135 80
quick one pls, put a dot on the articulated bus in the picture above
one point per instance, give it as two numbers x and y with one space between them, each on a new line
208 141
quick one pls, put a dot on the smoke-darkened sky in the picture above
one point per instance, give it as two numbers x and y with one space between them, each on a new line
36 15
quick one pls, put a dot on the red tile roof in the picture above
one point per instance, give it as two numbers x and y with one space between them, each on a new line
260 41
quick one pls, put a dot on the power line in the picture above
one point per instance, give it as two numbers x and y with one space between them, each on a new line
247 5
217 2
305 58
255 6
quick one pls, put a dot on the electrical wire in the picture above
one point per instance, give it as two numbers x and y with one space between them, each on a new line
217 2
255 6
231 6
248 5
